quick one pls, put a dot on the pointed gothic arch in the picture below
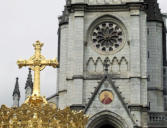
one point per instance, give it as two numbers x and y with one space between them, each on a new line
91 65
106 118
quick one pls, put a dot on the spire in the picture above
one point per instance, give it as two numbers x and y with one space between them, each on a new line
29 82
16 89
29 85
153 11
64 18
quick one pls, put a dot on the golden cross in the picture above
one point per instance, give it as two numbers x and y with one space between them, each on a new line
37 63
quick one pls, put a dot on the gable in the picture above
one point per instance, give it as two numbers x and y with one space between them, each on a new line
117 105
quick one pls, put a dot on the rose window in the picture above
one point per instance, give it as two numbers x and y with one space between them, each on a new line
107 37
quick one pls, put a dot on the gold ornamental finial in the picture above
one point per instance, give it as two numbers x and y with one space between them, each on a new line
37 63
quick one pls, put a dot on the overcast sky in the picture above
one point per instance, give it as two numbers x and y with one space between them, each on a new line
22 22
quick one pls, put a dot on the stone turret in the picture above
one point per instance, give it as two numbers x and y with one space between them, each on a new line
29 85
156 42
16 94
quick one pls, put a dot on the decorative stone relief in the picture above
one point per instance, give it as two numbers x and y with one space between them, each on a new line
99 65
115 65
91 65
123 65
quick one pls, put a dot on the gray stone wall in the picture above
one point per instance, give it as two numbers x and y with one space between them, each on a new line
62 73
165 87
136 35
137 67
76 50
155 66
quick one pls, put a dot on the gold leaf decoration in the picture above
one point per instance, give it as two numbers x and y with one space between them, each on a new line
41 115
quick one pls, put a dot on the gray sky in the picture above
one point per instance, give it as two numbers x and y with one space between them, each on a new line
22 22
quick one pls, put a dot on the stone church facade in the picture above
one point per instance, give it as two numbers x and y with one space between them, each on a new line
112 56
128 35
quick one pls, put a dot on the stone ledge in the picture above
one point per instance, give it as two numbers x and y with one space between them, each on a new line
155 89
100 76
118 7
77 107
136 107
52 96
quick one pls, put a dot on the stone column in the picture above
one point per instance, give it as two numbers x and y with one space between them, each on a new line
135 64
62 75
135 59
78 57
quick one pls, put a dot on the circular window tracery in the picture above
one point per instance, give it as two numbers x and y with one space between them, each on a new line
107 37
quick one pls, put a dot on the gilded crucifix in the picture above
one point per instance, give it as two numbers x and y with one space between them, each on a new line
37 63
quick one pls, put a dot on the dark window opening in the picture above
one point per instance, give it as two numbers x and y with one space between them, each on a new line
148 54
107 126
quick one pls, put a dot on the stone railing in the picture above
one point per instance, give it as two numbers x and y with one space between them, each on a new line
158 119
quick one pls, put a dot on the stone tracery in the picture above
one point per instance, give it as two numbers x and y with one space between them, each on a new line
107 37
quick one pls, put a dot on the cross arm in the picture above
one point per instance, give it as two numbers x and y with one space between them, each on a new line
22 63
54 63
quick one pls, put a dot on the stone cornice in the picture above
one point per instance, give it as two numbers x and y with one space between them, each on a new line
95 8
77 107
52 96
155 89
97 77
62 91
